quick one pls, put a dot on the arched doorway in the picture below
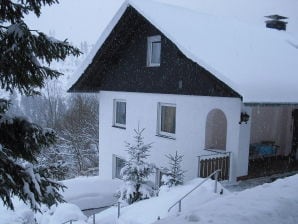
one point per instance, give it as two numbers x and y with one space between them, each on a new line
216 130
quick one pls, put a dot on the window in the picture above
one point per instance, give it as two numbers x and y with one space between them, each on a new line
119 113
118 165
153 51
167 119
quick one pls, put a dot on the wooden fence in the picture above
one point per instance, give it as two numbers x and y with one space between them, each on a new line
208 164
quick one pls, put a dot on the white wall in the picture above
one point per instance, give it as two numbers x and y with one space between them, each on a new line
244 142
191 114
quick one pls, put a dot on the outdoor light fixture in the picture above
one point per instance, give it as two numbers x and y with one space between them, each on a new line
244 117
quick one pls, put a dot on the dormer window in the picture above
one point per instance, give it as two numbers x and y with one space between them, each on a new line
153 51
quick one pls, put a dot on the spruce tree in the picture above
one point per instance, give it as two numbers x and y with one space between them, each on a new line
25 58
136 171
173 175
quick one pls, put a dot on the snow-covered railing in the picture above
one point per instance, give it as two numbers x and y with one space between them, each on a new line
69 221
215 174
73 220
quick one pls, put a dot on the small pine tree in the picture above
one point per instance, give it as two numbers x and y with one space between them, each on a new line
136 171
174 175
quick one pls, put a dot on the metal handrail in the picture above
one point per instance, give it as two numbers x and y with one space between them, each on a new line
93 214
215 189
70 221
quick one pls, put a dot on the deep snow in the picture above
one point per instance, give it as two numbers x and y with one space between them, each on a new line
91 192
275 202
81 193
269 203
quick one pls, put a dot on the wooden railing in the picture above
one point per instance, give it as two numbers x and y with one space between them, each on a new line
215 160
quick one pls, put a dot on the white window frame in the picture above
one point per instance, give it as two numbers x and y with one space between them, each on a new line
115 124
114 168
151 40
159 131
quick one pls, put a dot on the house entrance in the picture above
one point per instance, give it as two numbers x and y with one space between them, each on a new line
215 155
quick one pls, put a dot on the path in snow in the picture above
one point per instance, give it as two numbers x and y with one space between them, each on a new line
250 183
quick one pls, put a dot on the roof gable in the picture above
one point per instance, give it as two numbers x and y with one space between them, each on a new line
120 65
260 64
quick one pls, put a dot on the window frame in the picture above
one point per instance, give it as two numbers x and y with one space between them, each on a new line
150 41
114 170
159 120
115 124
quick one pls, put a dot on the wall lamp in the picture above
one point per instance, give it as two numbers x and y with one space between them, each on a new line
244 117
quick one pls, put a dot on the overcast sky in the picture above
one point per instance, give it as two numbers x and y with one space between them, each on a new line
75 20
84 20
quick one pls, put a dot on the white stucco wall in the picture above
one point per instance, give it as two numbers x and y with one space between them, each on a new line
191 114
244 141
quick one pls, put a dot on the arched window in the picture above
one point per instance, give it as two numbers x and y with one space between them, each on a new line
216 130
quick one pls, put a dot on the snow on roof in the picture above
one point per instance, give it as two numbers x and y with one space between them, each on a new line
259 63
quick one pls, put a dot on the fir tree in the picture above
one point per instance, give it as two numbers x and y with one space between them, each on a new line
25 58
136 171
174 175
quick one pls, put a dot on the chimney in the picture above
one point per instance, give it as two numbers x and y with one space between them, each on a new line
276 22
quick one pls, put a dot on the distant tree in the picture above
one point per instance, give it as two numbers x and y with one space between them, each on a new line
56 161
46 109
75 120
14 107
79 130
173 175
136 171
25 56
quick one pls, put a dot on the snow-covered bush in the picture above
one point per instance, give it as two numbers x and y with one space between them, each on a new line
173 175
62 213
136 171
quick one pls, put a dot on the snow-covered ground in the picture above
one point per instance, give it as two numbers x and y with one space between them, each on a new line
81 193
275 202
91 192
268 203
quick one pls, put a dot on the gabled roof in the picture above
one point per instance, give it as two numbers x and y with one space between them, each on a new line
259 63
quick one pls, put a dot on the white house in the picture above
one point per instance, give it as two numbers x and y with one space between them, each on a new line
199 83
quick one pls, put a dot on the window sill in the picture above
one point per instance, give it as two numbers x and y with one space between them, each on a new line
114 126
152 65
166 136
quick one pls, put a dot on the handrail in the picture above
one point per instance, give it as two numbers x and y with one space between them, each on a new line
93 214
215 189
70 221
